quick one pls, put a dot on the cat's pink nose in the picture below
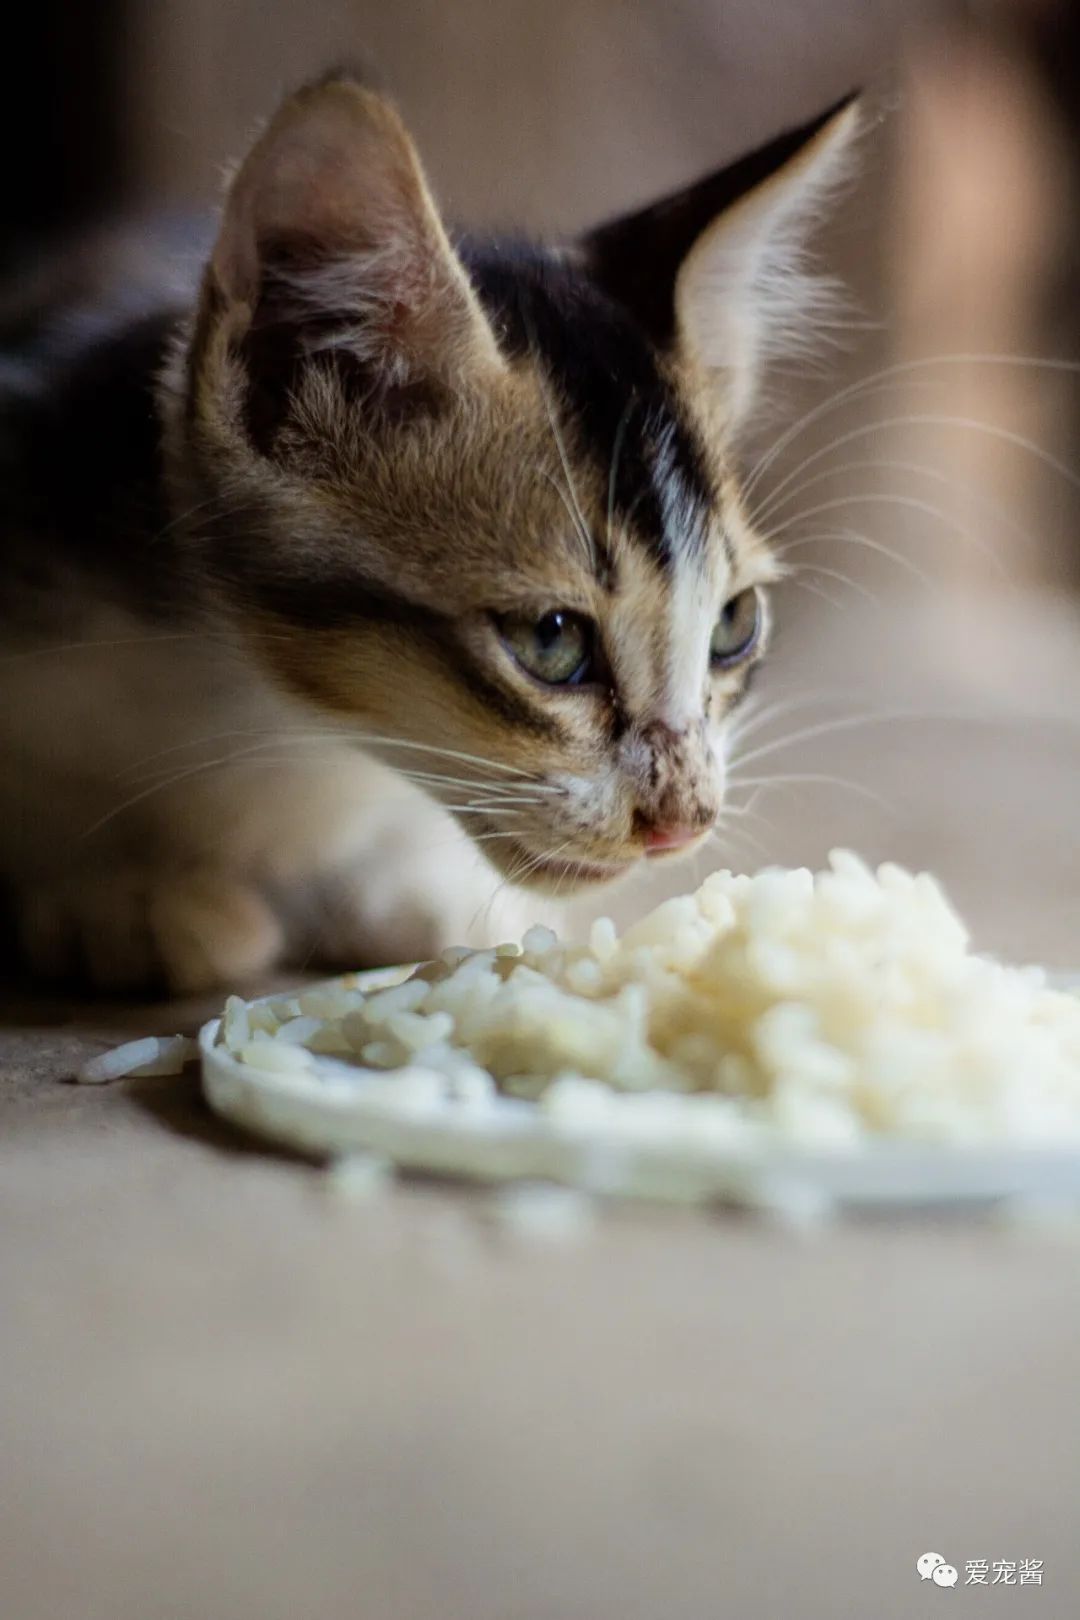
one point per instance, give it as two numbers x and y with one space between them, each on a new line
658 839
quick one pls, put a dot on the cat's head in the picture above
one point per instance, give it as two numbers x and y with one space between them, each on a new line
479 499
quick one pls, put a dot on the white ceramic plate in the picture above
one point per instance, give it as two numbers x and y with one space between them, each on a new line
325 1112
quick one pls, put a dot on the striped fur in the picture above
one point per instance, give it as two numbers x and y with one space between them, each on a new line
300 514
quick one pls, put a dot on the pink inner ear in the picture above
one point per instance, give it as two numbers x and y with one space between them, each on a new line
331 242
335 168
346 192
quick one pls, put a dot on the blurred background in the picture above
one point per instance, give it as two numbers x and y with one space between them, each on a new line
926 499
230 1394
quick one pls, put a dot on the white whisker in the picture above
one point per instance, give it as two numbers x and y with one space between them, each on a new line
751 717
819 590
853 537
850 722
911 468
809 778
969 423
342 733
581 527
616 451
890 375
85 646
841 578
909 503
572 513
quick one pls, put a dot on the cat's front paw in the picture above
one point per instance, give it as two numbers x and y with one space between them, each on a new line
130 930
391 908
213 930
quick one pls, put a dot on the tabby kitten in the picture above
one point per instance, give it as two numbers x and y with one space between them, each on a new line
383 565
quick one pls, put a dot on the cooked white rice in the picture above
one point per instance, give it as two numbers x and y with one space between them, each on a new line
152 1055
819 1011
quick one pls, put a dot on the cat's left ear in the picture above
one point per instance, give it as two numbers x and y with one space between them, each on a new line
716 274
331 249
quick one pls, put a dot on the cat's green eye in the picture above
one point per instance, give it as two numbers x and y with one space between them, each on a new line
735 634
557 648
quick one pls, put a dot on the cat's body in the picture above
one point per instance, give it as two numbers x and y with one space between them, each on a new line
356 505
112 682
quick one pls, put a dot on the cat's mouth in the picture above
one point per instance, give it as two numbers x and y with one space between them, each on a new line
583 873
559 873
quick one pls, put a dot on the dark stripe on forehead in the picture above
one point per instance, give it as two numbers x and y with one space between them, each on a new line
606 372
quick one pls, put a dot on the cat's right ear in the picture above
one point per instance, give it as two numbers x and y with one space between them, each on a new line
331 246
715 274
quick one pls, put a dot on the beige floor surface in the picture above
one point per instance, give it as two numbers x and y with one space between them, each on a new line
226 1394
